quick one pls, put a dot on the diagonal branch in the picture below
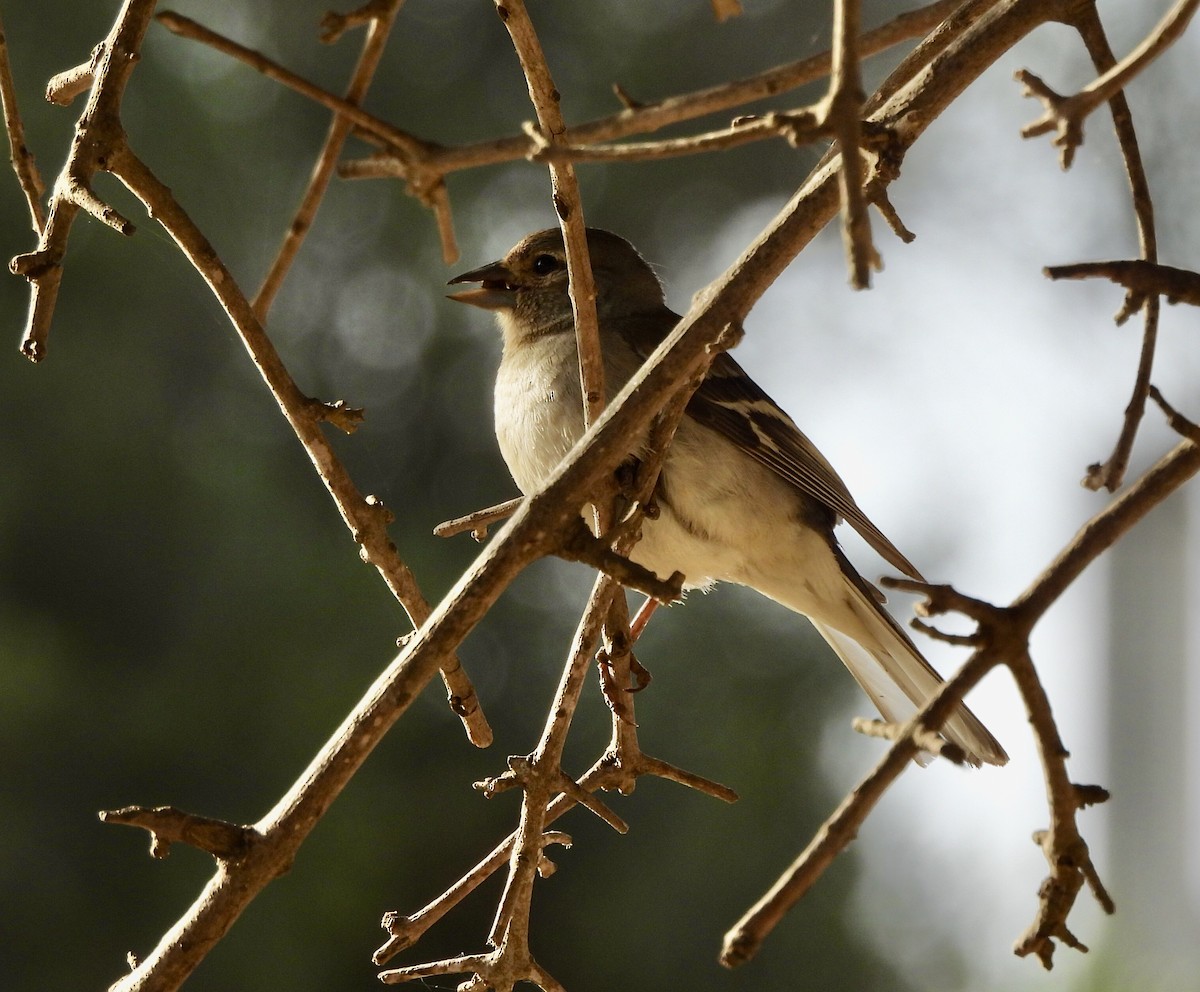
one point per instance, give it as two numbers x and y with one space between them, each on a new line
366 517
1003 640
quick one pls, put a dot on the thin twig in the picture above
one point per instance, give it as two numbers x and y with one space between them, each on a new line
168 825
379 18
1063 845
843 112
478 521
99 132
796 127
1140 278
425 164
187 28
22 158
1109 525
580 545
616 769
1065 115
1176 420
567 203
926 740
1111 473
544 779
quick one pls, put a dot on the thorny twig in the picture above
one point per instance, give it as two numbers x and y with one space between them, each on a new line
616 769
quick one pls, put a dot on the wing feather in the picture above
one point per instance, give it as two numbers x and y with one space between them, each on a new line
731 403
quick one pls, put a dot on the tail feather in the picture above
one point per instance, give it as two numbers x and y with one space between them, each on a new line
889 667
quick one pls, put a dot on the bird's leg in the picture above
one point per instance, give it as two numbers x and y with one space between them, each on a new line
640 619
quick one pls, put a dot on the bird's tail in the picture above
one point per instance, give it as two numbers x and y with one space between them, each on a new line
885 662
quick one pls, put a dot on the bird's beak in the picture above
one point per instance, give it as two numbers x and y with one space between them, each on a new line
496 291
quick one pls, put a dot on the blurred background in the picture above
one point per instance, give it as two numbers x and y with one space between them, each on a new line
184 619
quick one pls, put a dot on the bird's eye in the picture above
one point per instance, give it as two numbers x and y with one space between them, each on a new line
545 264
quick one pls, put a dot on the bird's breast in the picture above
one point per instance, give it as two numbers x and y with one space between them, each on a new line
538 408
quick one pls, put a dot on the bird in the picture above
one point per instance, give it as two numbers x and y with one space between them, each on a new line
743 495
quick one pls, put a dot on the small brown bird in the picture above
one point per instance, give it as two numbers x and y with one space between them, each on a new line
743 497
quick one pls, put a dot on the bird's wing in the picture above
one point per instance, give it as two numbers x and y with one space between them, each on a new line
731 403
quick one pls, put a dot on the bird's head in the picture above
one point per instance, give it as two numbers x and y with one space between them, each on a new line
528 287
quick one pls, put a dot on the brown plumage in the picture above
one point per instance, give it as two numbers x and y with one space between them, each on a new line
744 496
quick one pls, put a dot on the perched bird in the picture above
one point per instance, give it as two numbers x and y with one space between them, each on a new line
743 496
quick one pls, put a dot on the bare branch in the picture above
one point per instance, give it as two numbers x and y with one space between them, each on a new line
542 777
1177 421
424 164
187 28
1111 473
1140 278
617 769
98 135
168 825
842 111
378 16
1109 525
478 521
567 203
1064 847
1065 115
366 517
22 158
926 740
